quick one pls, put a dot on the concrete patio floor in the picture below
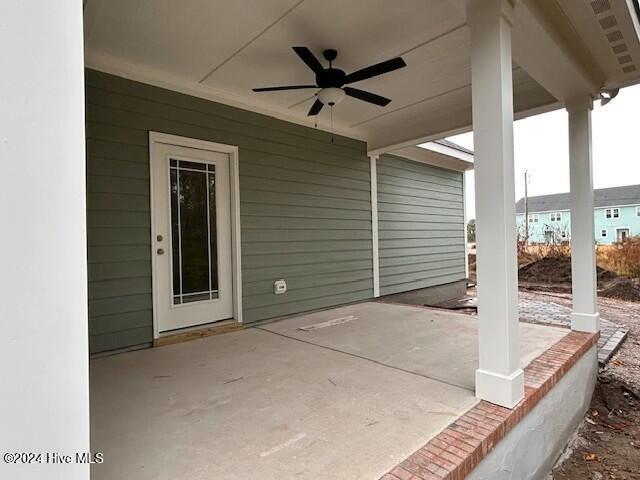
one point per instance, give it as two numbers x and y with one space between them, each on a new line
359 390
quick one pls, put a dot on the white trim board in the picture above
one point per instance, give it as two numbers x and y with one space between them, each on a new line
465 220
164 138
373 172
449 151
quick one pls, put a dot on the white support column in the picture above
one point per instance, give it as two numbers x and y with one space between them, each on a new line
585 316
499 378
373 172
44 405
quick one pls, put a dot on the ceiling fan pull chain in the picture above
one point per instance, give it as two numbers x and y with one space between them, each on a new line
331 108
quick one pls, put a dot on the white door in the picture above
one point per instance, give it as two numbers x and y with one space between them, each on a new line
191 237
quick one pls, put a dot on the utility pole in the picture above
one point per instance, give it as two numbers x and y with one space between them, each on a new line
526 211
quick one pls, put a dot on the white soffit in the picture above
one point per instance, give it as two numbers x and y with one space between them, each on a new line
220 50
611 30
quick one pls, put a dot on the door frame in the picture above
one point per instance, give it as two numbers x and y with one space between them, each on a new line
628 229
156 138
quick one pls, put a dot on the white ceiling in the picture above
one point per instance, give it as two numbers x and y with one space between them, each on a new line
223 49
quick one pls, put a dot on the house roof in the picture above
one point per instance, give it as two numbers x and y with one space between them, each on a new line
603 197
448 149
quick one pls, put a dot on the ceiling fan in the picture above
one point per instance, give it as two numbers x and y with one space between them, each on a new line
331 81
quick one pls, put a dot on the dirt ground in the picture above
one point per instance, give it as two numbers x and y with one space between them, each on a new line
553 274
556 269
607 445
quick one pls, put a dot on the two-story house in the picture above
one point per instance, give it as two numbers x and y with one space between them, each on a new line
616 215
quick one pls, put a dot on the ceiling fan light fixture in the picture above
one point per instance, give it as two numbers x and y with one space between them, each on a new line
331 96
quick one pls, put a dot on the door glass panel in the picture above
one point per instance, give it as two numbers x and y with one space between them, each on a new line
213 237
193 232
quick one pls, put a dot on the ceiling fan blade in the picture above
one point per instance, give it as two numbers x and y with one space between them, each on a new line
285 87
309 58
367 96
315 108
375 70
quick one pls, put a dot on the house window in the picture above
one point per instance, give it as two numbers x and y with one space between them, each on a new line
603 232
556 216
533 218
637 211
612 213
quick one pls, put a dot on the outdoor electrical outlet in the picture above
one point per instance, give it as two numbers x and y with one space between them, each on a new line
279 287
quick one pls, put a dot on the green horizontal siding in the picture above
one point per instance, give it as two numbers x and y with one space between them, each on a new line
420 225
304 202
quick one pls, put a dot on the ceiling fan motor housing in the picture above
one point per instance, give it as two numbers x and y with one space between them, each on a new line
330 77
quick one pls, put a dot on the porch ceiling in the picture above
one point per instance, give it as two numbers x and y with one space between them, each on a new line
221 50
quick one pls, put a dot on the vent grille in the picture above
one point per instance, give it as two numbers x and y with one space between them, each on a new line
614 36
600 6
621 47
608 22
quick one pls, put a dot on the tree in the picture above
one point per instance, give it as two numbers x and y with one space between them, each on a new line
471 230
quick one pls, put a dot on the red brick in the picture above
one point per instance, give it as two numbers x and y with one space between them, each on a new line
401 473
458 449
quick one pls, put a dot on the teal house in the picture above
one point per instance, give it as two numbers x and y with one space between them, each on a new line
616 216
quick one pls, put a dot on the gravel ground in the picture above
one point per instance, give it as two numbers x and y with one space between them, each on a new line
607 445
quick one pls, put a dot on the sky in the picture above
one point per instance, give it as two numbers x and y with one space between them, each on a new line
541 147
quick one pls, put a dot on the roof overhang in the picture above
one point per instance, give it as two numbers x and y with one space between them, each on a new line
437 155
449 148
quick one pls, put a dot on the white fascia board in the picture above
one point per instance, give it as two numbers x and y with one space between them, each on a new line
449 151
437 159
560 63
631 12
